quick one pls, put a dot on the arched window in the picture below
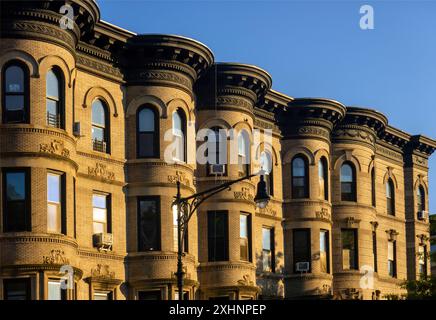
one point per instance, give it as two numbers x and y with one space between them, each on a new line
54 99
300 181
267 166
243 153
100 126
216 151
390 197
348 182
147 134
420 198
323 179
15 93
179 133
373 194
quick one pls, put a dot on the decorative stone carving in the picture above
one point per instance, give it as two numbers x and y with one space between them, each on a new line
268 211
389 153
355 134
244 194
351 222
229 101
55 147
179 176
55 257
162 76
324 290
323 214
422 238
102 271
348 294
314 131
100 171
392 234
246 281
374 225
420 161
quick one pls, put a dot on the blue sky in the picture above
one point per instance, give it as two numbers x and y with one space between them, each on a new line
315 48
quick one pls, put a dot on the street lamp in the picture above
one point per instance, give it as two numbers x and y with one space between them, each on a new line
187 206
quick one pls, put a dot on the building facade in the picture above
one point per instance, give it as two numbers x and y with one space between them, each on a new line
87 191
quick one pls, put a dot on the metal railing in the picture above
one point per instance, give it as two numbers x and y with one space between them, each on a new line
53 120
99 145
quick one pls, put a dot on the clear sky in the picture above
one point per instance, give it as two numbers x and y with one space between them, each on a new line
315 49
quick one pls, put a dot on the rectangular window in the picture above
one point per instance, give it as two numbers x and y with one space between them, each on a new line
268 254
245 236
392 259
54 290
16 203
149 223
349 249
422 260
324 250
55 203
16 289
101 213
218 236
301 250
374 250
150 295
103 295
176 235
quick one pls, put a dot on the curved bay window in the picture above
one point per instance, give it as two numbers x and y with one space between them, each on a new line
147 133
15 100
100 127
267 166
54 99
323 179
390 197
348 182
300 181
179 134
420 199
243 153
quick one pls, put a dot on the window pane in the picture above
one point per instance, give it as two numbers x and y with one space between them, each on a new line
266 239
14 103
16 289
53 218
146 120
54 188
177 123
100 215
15 186
346 173
148 225
52 85
98 113
217 228
390 250
97 134
101 296
301 247
349 246
265 162
98 227
52 107
14 76
99 200
298 167
243 226
54 290
146 144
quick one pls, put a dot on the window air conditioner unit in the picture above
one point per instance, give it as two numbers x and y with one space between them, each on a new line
302 266
422 215
217 169
103 241
76 129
